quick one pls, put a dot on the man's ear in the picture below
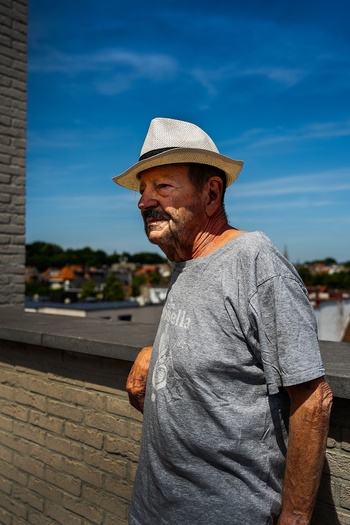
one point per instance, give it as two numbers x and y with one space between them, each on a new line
214 192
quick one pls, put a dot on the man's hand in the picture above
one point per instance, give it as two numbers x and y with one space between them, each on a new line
136 382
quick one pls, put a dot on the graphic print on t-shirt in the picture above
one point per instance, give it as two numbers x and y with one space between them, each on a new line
163 364
173 322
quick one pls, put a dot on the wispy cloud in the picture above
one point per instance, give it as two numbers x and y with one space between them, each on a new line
280 205
260 138
147 64
326 182
117 68
77 136
120 68
52 60
133 67
343 219
282 75
213 79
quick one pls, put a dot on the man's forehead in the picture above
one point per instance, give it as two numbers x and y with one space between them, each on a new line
168 170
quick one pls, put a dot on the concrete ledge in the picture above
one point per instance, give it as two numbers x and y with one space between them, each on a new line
336 360
88 336
124 340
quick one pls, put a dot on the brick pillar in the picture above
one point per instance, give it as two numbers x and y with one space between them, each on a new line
13 104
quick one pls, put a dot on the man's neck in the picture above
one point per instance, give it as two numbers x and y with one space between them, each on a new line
204 244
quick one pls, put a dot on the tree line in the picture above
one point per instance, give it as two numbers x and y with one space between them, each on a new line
43 255
338 280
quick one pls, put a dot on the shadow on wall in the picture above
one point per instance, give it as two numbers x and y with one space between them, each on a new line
87 369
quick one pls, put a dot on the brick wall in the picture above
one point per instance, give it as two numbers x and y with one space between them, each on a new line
333 506
69 440
13 97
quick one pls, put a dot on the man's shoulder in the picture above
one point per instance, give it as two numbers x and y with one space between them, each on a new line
251 243
256 256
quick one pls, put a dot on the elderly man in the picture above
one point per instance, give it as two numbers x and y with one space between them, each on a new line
236 407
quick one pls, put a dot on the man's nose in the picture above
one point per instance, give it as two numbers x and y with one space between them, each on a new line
147 200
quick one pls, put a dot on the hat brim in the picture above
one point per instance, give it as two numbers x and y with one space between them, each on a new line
130 180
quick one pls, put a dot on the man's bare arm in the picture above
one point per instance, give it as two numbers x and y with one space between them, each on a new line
308 429
136 382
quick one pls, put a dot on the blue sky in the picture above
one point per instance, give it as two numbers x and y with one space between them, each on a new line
268 81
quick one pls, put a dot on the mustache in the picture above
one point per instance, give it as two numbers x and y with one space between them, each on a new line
154 214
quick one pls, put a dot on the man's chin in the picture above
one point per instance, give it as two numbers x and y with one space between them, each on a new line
153 241
158 237
155 238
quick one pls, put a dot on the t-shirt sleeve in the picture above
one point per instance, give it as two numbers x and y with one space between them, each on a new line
286 330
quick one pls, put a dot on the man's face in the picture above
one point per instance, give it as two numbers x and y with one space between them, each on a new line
172 209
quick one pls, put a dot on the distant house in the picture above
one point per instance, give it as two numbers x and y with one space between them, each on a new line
153 294
124 276
64 277
164 270
124 271
98 275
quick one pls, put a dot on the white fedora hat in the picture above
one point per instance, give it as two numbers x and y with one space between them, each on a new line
170 141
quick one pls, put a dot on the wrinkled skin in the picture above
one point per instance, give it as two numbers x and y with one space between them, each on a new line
184 222
311 404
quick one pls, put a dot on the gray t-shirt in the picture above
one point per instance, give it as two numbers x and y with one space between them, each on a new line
236 326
